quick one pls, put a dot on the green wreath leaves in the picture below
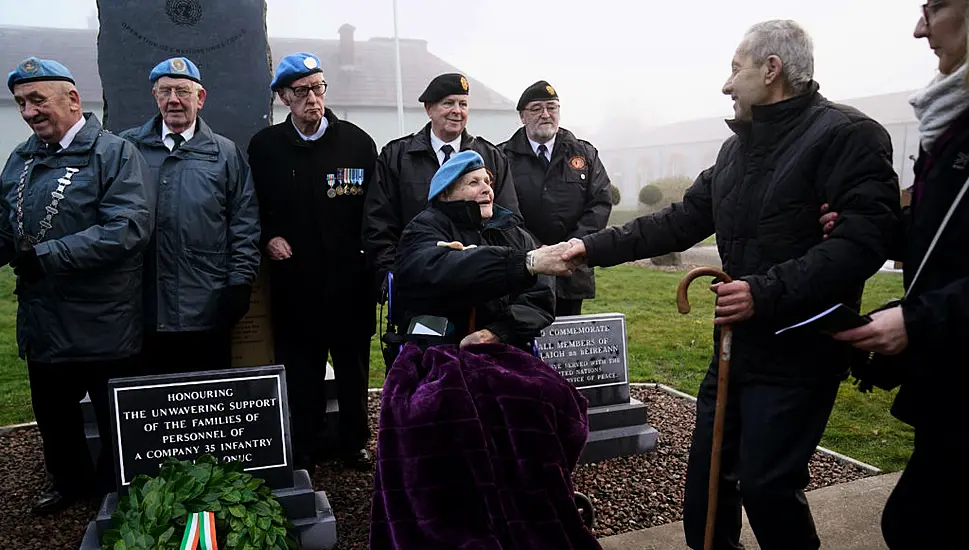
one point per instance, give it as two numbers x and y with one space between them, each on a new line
153 514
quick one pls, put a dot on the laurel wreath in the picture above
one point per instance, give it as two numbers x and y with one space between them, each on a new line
153 514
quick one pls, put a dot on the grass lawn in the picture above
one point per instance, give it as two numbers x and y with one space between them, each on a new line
663 346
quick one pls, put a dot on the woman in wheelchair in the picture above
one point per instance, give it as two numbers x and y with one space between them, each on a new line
478 438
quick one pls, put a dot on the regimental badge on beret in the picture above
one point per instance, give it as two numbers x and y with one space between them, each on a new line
464 83
310 63
178 65
539 91
577 162
29 66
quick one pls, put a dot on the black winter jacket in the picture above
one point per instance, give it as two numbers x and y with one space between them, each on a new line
763 198
491 278
399 191
569 200
323 290
936 311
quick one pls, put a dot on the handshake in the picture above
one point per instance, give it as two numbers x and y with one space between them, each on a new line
560 259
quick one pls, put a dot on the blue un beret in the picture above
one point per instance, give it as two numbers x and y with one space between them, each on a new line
176 67
33 69
455 167
294 67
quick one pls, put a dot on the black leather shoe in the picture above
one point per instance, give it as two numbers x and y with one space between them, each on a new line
51 501
358 460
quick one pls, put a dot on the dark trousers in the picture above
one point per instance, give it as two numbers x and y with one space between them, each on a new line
56 390
927 507
305 362
180 352
567 307
770 433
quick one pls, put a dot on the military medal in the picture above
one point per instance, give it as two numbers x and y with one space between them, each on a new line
358 181
330 180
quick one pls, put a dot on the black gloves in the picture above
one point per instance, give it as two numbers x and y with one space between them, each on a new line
233 304
27 266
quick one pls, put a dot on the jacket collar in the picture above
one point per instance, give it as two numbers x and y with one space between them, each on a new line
293 136
771 121
203 141
467 215
83 142
518 143
422 141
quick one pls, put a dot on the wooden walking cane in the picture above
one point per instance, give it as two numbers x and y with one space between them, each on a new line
726 338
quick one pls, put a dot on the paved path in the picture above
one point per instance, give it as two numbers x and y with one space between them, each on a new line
847 516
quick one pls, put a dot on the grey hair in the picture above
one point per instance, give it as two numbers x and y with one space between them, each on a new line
787 40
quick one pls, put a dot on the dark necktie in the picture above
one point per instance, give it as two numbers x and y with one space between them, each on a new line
447 152
541 156
178 139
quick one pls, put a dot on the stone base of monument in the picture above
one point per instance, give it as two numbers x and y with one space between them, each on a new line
618 430
309 511
590 352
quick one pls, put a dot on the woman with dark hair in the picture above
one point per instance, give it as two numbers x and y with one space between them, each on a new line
919 338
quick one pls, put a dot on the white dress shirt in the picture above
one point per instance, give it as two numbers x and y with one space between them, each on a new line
72 133
548 145
167 132
437 143
316 135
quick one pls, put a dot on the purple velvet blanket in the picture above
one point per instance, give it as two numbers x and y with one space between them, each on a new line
475 451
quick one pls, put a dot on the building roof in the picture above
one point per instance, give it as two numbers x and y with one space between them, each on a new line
367 78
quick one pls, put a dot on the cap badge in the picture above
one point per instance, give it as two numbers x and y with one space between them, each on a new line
178 65
309 63
29 66
550 90
464 83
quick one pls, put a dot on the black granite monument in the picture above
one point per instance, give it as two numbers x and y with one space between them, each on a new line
590 352
227 41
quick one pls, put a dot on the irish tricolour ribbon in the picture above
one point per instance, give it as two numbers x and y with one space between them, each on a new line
199 532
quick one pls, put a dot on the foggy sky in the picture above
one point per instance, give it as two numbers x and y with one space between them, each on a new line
641 62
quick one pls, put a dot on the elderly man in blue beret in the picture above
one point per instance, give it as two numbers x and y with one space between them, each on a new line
312 171
77 207
204 254
406 165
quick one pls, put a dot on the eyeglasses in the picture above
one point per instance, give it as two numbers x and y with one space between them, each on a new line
180 93
537 109
303 91
931 8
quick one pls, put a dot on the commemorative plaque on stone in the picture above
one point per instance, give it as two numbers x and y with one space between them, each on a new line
590 352
235 415
238 414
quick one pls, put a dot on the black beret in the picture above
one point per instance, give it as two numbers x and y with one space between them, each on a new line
443 86
540 90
